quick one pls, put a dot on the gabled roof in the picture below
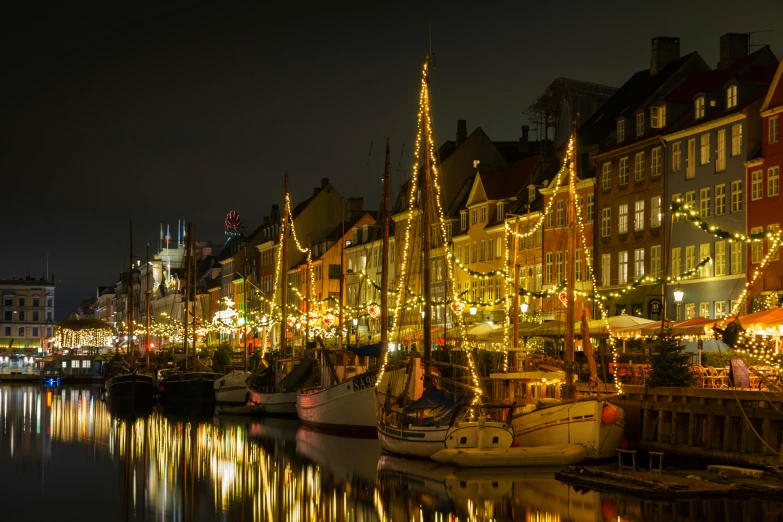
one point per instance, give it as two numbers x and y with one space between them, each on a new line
774 95
337 232
507 183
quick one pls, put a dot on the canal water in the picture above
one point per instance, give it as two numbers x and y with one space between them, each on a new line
64 456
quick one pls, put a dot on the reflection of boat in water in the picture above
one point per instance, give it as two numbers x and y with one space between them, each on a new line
347 458
553 455
272 428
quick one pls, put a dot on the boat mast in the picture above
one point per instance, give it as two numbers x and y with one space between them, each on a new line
284 270
308 282
342 285
244 299
149 292
187 301
194 274
130 298
426 245
569 388
385 253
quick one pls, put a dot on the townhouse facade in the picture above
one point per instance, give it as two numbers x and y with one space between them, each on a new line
28 313
765 206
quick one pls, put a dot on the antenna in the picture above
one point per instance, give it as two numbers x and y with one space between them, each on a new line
430 54
47 266
751 45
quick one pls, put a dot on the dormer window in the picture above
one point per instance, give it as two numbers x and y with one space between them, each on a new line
620 131
531 193
658 117
501 211
731 96
698 107
640 124
463 219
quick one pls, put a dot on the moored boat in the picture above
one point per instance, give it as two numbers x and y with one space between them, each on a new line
129 389
233 388
552 455
348 406
187 386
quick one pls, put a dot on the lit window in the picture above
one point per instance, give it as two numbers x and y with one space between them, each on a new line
658 117
558 267
690 257
773 181
756 247
704 253
501 213
606 222
704 148
622 267
549 268
676 156
578 265
731 96
756 185
704 310
463 218
720 159
638 217
638 171
720 309
690 165
720 258
655 212
559 221
606 176
590 208
736 139
655 260
736 258
483 214
623 175
698 107
676 262
656 166
622 219
606 269
736 196
638 263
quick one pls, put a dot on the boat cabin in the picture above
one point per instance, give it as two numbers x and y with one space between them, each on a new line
522 388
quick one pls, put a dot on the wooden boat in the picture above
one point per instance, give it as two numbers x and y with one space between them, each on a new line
187 386
426 441
553 455
233 388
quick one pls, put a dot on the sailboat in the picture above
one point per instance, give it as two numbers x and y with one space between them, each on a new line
342 402
194 385
426 418
594 423
136 388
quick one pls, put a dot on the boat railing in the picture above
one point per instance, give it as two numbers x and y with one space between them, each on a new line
310 390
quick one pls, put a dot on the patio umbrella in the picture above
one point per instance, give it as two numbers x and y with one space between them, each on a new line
695 326
627 321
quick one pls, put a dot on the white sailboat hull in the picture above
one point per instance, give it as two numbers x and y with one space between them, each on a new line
275 403
578 422
232 388
554 455
426 441
347 406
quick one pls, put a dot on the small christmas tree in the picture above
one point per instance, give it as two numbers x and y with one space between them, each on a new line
670 366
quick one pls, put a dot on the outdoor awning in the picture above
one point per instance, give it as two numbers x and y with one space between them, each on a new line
49 358
33 343
5 342
99 358
539 376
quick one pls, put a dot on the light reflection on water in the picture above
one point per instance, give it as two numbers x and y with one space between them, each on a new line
63 445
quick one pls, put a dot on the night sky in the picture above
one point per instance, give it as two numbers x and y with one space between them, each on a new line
181 110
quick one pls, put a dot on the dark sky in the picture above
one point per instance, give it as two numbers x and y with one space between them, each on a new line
186 110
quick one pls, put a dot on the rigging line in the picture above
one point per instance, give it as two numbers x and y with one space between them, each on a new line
369 155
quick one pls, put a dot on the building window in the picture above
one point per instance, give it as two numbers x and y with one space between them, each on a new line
720 309
20 331
704 148
623 175
698 107
704 253
550 219
8 331
21 314
558 267
658 117
704 202
774 129
8 300
498 248
736 139
622 219
9 315
731 96
474 216
483 214
756 185
49 301
638 263
773 181
704 310
606 269
720 160
690 310
559 221
549 268
690 161
501 211
606 222
756 247
35 331
655 260
622 268
720 258
656 166
720 200
690 257
482 250
690 199
538 284
655 212
35 316
676 156
736 258
590 208
36 301
463 219
491 249
736 196
474 252
640 124
620 131
774 229
578 266
676 261
22 301
531 193
638 216
606 176
676 198
638 170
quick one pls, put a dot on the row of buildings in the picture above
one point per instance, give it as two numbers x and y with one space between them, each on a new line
27 319
679 130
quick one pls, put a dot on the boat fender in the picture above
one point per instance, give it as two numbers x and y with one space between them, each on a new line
515 443
610 510
161 388
610 414
623 443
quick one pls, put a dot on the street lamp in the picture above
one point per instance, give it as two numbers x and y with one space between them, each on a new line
678 295
473 310
524 307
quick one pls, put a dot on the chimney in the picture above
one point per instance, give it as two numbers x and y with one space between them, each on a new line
324 182
275 211
354 207
733 46
664 50
316 190
462 131
524 144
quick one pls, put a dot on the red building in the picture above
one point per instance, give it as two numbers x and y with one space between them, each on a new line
765 206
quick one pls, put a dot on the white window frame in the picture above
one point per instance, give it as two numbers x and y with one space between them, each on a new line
606 269
731 96
720 199
606 176
606 221
773 130
638 167
704 310
773 181
622 218
736 196
656 165
720 155
690 160
638 215
560 213
720 309
676 156
549 268
622 267
638 263
756 185
620 130
656 215
736 257
704 202
590 217
720 258
640 124
698 107
622 176
655 261
704 148
658 117
756 247
690 257
736 139
483 213
705 251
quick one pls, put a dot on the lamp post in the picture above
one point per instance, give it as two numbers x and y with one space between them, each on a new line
678 295
473 310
